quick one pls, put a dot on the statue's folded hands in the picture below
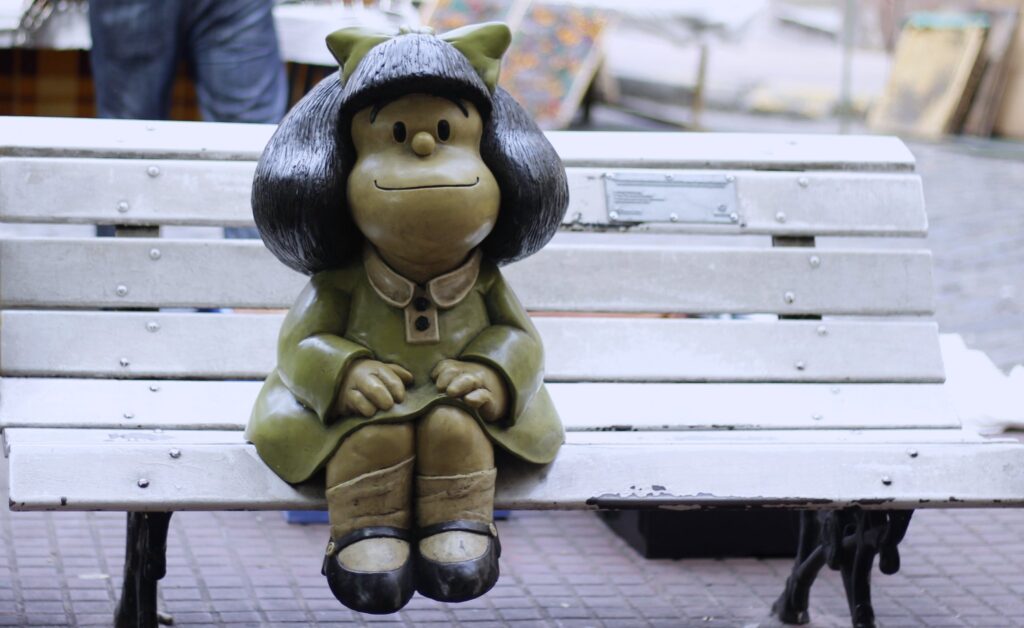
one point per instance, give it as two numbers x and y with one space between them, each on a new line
478 385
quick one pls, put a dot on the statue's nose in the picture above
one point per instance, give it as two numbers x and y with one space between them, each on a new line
423 144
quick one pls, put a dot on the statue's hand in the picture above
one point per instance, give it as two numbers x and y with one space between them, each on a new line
370 386
478 385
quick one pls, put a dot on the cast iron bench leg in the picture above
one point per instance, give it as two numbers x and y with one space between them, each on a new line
791 607
145 562
846 540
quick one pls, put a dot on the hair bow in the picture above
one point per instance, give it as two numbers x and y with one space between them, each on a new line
481 44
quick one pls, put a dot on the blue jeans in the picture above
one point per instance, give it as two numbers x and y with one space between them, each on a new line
230 46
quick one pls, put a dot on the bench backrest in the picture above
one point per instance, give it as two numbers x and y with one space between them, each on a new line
808 235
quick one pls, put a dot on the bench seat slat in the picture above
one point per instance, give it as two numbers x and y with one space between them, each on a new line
190 192
38 136
64 437
112 404
178 345
47 473
145 272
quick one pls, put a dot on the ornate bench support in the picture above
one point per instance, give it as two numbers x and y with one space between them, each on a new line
145 562
845 540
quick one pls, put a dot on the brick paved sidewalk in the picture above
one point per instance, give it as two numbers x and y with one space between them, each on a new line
960 568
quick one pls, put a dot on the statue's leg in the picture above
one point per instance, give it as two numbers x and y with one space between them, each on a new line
791 607
368 562
458 544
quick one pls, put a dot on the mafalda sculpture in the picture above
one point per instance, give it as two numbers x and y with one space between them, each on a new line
400 185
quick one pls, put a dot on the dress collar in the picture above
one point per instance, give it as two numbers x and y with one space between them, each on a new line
445 290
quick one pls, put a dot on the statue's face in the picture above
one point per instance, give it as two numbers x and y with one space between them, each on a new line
419 189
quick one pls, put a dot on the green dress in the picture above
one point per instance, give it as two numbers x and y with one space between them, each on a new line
367 310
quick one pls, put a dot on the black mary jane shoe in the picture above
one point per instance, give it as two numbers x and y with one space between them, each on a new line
464 580
375 592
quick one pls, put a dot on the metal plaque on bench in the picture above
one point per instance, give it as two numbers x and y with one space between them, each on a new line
671 197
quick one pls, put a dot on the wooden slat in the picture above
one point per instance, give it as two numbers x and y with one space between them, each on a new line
19 437
778 203
710 281
71 137
150 272
131 272
56 469
175 192
125 191
53 137
190 405
754 151
203 345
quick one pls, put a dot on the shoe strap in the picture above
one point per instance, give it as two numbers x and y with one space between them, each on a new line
371 532
459 525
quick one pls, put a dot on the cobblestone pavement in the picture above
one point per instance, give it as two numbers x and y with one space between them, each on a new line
976 215
960 568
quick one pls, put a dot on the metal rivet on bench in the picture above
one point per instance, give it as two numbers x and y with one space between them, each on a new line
122 206
613 214
143 482
803 181
154 388
153 171
175 453
912 453
124 362
121 290
780 217
817 417
815 261
835 390
734 217
154 254
800 365
822 330
789 297
886 480
730 178
129 415
673 217
153 326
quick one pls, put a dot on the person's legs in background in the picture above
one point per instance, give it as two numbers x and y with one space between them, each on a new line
134 56
232 46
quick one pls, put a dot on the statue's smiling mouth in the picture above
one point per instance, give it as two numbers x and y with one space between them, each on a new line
426 187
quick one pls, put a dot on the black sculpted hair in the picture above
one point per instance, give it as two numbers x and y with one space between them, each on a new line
299 190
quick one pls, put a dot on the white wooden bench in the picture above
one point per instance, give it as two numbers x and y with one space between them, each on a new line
821 392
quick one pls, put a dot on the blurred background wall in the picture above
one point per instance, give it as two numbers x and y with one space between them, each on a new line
919 67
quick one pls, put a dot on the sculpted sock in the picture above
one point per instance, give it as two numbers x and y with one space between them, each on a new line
441 498
379 498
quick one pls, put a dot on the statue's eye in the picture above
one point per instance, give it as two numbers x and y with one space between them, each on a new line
399 132
444 130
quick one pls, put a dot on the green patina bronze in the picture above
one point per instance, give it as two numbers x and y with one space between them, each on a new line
481 44
400 371
340 318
